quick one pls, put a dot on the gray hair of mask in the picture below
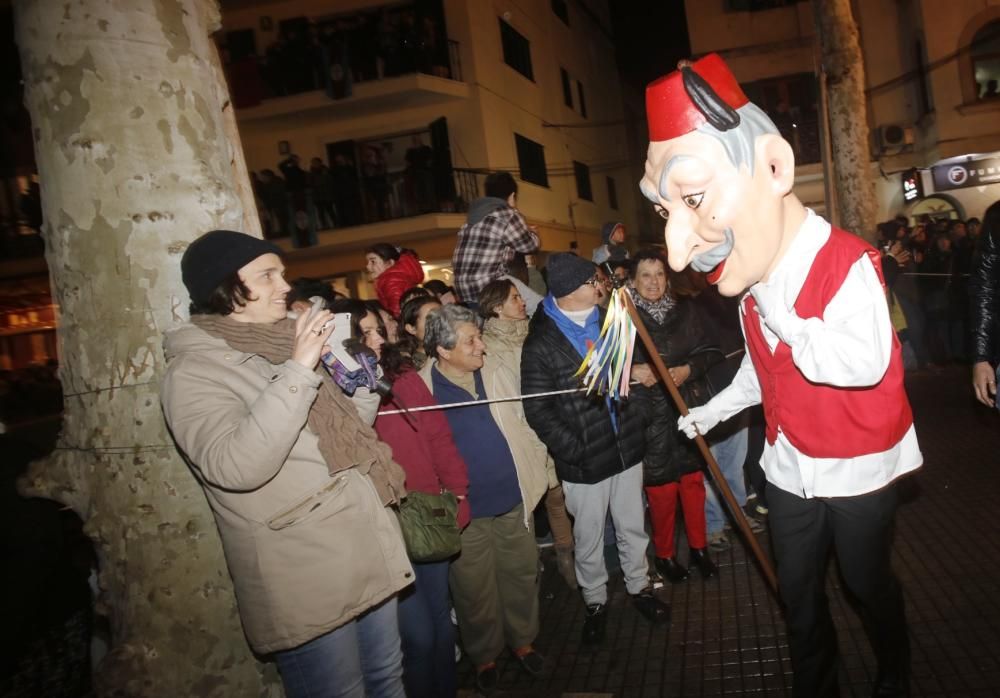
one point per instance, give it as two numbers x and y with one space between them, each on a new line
738 143
441 327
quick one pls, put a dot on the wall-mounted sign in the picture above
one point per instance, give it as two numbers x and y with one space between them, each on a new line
972 173
913 185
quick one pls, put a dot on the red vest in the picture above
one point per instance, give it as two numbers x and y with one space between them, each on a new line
825 421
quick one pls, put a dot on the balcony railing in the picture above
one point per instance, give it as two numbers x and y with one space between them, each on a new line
253 79
376 199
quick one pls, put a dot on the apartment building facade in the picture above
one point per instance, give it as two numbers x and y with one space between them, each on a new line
412 125
931 71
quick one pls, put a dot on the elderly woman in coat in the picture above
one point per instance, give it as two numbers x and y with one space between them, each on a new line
298 484
505 326
494 580
672 465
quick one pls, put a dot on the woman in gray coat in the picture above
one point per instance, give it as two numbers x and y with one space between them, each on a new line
299 486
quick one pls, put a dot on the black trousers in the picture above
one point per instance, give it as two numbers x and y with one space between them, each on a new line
860 531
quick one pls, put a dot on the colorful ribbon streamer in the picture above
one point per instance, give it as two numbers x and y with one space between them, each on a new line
608 364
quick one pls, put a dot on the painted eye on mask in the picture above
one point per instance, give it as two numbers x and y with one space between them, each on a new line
693 200
662 212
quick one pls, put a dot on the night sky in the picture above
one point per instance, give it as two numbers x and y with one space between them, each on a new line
650 37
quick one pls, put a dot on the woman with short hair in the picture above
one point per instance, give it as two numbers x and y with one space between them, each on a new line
494 580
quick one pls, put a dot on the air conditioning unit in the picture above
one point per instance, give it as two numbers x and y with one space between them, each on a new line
894 136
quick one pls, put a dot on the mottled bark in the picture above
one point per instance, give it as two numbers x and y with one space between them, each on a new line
845 74
127 109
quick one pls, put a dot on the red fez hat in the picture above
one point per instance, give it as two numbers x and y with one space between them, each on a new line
670 109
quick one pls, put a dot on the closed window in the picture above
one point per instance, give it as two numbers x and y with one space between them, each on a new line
516 50
612 193
567 88
582 173
561 10
531 160
583 102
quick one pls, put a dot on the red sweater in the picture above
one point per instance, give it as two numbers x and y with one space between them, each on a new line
826 421
394 281
426 452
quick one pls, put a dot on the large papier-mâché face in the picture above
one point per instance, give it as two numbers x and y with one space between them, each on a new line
721 219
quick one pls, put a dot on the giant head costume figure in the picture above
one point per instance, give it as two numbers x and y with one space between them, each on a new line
720 174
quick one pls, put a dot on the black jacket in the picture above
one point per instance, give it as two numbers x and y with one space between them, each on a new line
575 427
984 292
681 339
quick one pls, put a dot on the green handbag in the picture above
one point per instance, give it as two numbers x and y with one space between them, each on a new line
430 526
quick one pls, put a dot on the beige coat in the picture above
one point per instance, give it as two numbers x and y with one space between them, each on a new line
307 552
531 459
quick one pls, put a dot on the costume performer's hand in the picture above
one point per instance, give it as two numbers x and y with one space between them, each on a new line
311 332
699 420
771 309
984 382
768 302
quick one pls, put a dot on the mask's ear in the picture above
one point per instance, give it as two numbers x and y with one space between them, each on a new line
774 155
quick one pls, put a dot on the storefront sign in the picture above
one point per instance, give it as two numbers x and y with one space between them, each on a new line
913 185
972 173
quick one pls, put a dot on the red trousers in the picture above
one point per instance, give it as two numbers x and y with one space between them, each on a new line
663 508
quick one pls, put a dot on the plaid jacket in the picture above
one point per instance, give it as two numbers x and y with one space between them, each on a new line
484 248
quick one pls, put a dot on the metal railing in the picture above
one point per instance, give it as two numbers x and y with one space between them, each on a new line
374 199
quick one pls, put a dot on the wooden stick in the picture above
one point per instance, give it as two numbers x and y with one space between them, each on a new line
713 467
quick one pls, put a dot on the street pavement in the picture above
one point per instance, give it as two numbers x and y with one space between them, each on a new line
727 634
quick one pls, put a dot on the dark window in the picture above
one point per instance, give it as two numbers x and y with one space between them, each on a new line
531 161
241 44
516 50
567 88
561 10
926 105
583 102
582 173
612 193
986 60
792 103
756 5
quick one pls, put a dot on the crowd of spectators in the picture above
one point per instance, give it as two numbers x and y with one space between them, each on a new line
333 54
296 202
926 265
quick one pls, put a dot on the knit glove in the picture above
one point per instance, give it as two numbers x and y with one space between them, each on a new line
699 420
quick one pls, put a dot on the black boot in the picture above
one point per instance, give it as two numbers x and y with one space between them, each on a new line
701 559
670 569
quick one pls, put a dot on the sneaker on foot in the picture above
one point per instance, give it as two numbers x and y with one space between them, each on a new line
651 607
532 662
487 678
718 542
594 624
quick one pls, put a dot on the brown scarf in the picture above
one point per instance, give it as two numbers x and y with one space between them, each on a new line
344 440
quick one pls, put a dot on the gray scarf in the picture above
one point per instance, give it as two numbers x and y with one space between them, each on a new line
658 310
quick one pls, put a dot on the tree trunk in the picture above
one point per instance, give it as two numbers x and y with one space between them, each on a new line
843 64
128 106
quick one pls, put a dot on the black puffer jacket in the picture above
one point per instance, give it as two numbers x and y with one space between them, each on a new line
681 339
984 292
575 427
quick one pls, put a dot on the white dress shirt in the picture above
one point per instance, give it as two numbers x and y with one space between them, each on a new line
848 347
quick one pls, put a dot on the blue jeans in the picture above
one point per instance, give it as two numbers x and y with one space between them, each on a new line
361 659
427 632
730 453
